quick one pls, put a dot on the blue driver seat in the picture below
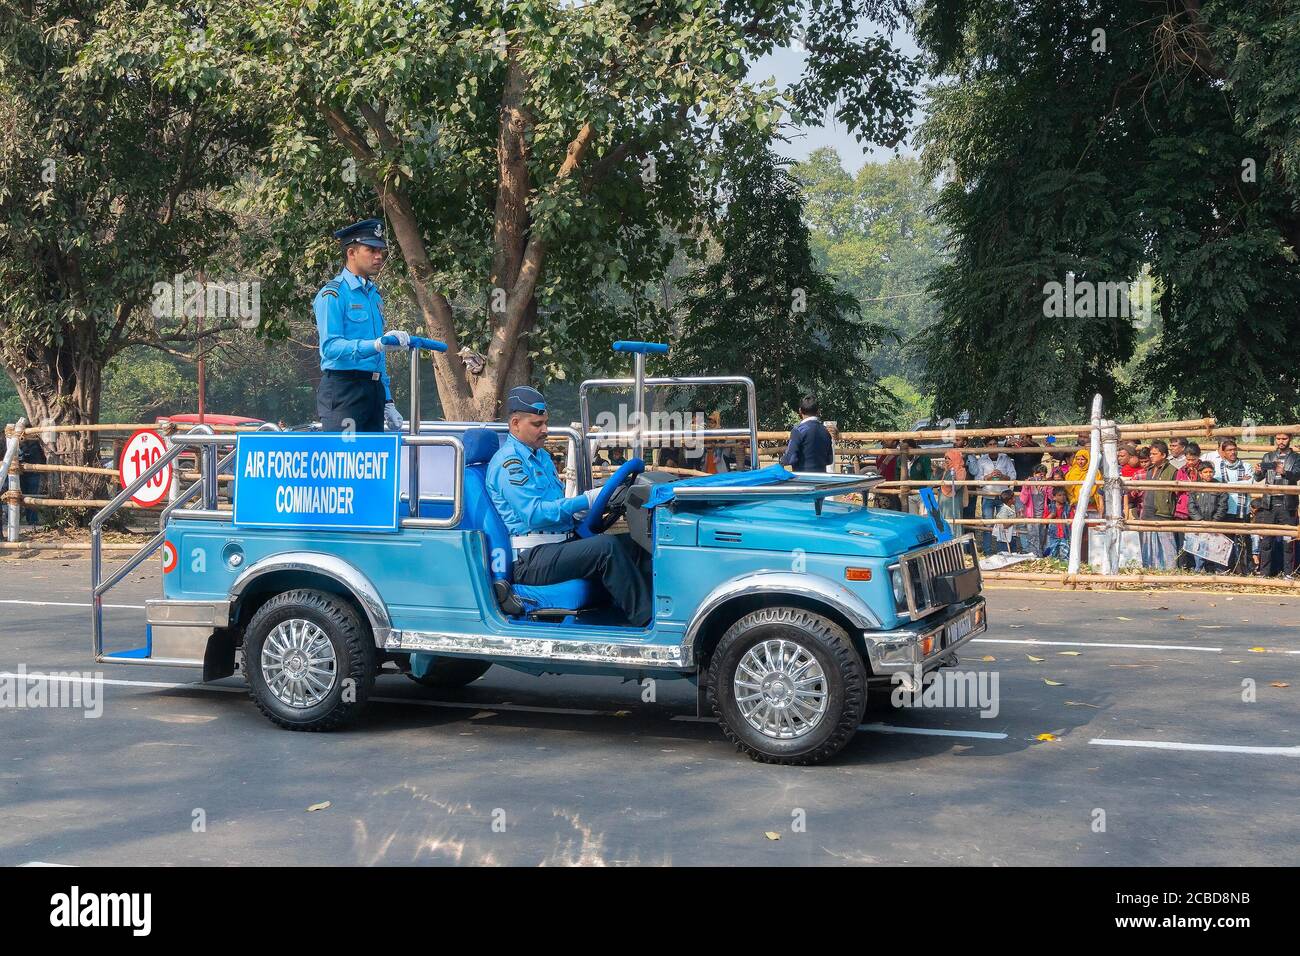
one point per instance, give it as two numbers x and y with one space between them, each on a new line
564 597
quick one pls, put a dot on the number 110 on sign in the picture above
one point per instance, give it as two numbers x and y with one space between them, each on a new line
142 452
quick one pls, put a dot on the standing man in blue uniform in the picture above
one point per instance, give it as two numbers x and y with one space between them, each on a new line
354 390
529 496
810 448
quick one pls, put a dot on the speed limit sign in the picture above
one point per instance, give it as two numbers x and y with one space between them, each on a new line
144 449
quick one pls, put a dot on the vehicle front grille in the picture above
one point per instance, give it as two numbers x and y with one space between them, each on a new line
921 568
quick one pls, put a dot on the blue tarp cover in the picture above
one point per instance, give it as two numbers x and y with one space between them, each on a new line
662 494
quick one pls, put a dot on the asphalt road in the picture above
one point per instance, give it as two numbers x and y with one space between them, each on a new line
564 770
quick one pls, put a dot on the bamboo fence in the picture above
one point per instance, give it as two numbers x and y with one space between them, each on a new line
849 447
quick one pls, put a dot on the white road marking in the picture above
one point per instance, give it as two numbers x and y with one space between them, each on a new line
1148 647
133 607
1212 748
885 729
39 863
932 731
61 678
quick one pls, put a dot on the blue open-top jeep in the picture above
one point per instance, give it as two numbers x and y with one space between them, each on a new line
783 605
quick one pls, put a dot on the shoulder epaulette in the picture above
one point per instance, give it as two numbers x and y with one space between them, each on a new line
330 288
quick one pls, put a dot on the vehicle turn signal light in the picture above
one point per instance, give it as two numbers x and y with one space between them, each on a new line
857 574
927 645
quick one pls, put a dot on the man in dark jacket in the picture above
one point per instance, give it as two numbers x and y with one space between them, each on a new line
810 448
1281 466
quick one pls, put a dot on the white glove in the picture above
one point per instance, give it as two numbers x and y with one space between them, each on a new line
392 418
403 341
591 497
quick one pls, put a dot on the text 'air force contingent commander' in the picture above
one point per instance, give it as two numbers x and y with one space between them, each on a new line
354 390
527 492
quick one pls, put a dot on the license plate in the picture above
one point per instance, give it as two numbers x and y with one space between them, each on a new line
955 631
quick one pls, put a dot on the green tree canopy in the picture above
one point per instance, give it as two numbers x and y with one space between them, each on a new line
1083 140
762 305
521 153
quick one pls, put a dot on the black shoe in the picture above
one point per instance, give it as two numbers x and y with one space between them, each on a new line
507 600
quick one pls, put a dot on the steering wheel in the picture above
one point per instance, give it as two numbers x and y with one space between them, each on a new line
598 516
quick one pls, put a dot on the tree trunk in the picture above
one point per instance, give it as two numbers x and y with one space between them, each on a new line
61 385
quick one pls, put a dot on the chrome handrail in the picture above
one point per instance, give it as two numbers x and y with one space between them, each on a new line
458 487
200 436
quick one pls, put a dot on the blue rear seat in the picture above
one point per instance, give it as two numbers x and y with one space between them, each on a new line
481 515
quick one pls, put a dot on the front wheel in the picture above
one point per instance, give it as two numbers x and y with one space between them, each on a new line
787 686
309 659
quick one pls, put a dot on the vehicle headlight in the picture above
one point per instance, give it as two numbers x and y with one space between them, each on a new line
896 579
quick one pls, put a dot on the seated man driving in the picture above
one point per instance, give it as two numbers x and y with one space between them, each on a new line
527 493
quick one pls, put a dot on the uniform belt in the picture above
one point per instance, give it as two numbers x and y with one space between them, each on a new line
522 542
354 374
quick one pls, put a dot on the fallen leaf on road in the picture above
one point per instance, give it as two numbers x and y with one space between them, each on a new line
622 713
1015 625
1226 599
1080 703
482 714
1182 617
1052 683
1278 683
1123 618
1259 650
1163 607
772 835
1068 653
988 658
1036 660
318 806
1234 662
1046 737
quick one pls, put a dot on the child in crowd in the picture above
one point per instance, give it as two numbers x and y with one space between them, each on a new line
1004 533
1207 505
1058 533
1034 499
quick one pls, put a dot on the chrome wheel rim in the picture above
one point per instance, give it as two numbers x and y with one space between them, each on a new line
298 663
781 690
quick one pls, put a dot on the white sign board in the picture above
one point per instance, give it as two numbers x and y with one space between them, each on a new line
1209 547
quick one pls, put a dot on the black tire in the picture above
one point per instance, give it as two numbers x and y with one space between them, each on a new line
354 659
844 685
452 672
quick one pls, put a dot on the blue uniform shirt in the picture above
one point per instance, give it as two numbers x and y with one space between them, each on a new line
527 492
810 447
349 317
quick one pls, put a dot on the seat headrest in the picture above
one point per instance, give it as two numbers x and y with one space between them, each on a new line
480 445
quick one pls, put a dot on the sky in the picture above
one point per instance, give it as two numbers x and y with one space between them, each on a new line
786 66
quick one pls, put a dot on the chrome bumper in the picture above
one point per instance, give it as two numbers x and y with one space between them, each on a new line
904 648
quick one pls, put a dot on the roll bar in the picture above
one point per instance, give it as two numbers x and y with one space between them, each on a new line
638 435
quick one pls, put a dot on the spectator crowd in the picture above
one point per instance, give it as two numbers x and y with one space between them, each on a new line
1014 483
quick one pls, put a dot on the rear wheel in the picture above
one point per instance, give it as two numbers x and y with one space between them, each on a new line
787 686
309 659
451 672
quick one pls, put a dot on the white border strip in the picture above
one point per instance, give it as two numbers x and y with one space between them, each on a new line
1145 647
135 607
1210 748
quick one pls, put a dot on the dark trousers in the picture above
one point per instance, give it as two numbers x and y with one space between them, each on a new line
350 400
1269 545
617 561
